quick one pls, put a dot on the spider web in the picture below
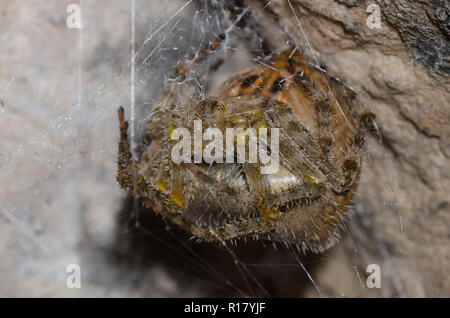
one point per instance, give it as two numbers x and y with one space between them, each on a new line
60 201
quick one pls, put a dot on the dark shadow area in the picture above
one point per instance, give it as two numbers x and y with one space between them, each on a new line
253 268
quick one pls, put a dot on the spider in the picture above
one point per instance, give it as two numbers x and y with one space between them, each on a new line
304 203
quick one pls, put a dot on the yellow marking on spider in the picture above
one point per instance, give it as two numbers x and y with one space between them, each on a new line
282 106
223 107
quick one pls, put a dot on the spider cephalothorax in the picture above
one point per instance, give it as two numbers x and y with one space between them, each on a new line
303 203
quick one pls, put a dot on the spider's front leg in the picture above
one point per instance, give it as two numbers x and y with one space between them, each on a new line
184 67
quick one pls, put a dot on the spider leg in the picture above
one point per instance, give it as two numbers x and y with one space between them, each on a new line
206 178
215 66
184 67
331 105
125 163
300 151
314 225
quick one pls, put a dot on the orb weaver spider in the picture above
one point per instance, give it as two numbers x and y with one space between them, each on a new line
304 203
